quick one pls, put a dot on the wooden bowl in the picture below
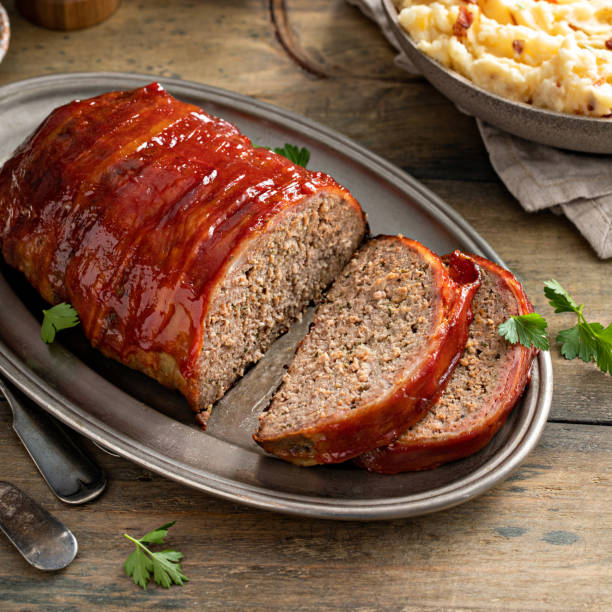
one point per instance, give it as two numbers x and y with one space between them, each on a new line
5 32
66 14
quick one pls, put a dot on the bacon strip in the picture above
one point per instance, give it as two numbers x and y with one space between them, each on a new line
463 23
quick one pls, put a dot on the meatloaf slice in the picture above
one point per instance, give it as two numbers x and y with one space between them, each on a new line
184 249
269 280
484 387
388 333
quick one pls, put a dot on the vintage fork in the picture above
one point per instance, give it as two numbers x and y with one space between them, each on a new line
68 471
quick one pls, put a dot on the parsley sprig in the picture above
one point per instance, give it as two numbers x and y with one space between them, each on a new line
528 329
298 156
164 564
61 316
587 341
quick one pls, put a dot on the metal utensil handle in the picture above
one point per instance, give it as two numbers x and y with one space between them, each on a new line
43 541
68 471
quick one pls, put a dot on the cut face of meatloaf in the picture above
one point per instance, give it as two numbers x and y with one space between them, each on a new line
487 382
185 250
386 336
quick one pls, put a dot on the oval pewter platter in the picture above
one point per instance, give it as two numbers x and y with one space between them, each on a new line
152 426
562 130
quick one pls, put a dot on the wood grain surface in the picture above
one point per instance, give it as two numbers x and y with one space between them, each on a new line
539 541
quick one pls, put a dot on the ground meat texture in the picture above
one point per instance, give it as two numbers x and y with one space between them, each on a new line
487 382
378 348
184 249
269 285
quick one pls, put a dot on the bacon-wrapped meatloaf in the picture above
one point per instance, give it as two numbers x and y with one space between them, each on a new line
185 250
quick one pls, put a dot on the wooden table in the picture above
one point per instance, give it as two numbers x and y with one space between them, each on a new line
541 540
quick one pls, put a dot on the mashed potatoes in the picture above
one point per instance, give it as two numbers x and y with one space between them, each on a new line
555 54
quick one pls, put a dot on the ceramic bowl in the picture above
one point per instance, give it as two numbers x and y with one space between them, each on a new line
561 130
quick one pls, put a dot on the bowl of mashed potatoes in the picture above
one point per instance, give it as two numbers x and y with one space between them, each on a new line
539 69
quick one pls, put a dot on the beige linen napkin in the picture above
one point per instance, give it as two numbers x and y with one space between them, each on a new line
538 176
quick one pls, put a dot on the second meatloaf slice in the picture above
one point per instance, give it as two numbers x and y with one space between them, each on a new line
388 333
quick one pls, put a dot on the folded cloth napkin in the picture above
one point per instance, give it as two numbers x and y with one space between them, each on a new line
538 176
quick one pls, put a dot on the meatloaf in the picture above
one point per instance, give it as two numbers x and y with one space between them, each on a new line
184 249
385 338
485 385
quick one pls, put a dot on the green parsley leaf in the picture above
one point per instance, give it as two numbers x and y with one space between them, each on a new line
165 565
606 334
61 316
587 341
167 569
528 329
139 566
579 341
157 535
570 342
604 356
300 157
558 297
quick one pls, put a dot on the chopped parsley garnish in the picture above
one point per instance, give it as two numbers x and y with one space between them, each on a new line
165 564
298 156
61 316
587 341
528 329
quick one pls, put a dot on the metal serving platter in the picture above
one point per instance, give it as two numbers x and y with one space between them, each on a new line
152 426
562 130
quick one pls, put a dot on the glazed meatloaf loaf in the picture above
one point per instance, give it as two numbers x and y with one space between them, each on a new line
385 338
485 385
185 250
